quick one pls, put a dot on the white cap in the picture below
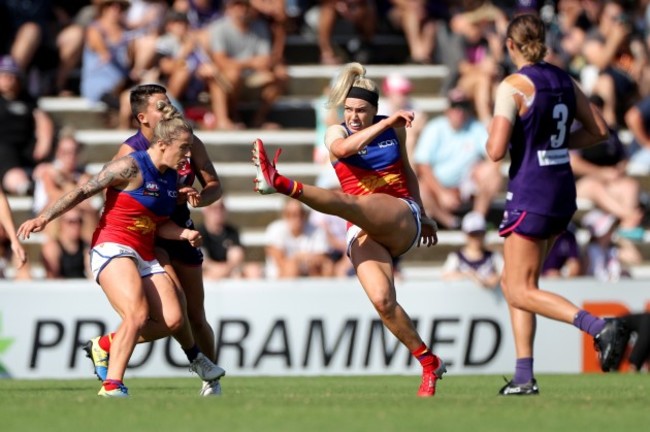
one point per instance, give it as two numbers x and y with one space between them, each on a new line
396 83
598 222
473 222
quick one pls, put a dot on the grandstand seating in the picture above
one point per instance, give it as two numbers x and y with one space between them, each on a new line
231 153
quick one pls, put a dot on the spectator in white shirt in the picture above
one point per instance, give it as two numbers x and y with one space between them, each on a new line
295 247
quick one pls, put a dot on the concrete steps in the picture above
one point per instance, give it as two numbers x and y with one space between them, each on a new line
311 79
224 146
252 213
423 258
294 110
230 152
237 178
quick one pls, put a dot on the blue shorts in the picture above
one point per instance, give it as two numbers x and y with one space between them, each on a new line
532 225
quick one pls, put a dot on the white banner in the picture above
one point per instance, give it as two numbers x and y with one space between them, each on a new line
304 327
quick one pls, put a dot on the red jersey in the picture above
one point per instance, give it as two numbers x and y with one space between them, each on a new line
130 218
378 168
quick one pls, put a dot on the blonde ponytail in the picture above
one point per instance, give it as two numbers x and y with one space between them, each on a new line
171 124
352 75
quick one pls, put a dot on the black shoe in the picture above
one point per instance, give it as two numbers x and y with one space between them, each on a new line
512 389
610 344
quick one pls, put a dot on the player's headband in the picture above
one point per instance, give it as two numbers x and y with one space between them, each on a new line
360 93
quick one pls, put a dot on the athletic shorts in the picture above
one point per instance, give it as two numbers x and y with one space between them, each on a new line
103 253
181 250
532 225
353 230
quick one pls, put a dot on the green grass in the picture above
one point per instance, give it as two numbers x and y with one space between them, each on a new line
594 403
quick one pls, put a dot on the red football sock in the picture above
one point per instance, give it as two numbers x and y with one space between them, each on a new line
425 357
287 186
111 384
105 341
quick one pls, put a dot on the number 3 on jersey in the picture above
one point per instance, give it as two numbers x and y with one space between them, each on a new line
561 114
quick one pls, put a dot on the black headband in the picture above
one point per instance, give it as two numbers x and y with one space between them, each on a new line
360 93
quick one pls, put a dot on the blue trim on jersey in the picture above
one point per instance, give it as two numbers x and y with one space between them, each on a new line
158 190
181 214
383 150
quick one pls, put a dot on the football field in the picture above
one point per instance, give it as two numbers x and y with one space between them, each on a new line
615 402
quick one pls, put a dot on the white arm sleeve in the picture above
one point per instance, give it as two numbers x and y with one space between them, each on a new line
504 104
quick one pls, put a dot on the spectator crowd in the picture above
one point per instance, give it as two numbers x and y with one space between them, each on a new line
215 55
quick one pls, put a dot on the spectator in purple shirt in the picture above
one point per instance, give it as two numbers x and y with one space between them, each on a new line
563 260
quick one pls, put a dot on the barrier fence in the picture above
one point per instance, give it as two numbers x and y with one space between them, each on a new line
305 327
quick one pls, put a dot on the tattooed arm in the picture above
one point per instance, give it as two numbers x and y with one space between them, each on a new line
124 150
205 172
117 173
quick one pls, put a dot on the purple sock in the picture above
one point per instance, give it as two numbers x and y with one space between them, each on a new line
523 370
588 323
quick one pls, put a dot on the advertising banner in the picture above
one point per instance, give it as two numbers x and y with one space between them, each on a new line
305 327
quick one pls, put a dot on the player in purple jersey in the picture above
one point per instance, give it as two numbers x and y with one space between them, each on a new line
533 113
180 260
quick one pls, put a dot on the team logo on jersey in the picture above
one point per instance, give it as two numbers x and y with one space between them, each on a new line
151 189
143 224
372 183
387 143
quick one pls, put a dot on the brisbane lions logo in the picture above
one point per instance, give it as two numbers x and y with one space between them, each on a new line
143 224
373 183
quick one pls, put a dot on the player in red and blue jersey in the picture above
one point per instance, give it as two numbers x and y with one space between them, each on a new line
140 196
182 261
132 216
534 110
380 201
378 168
